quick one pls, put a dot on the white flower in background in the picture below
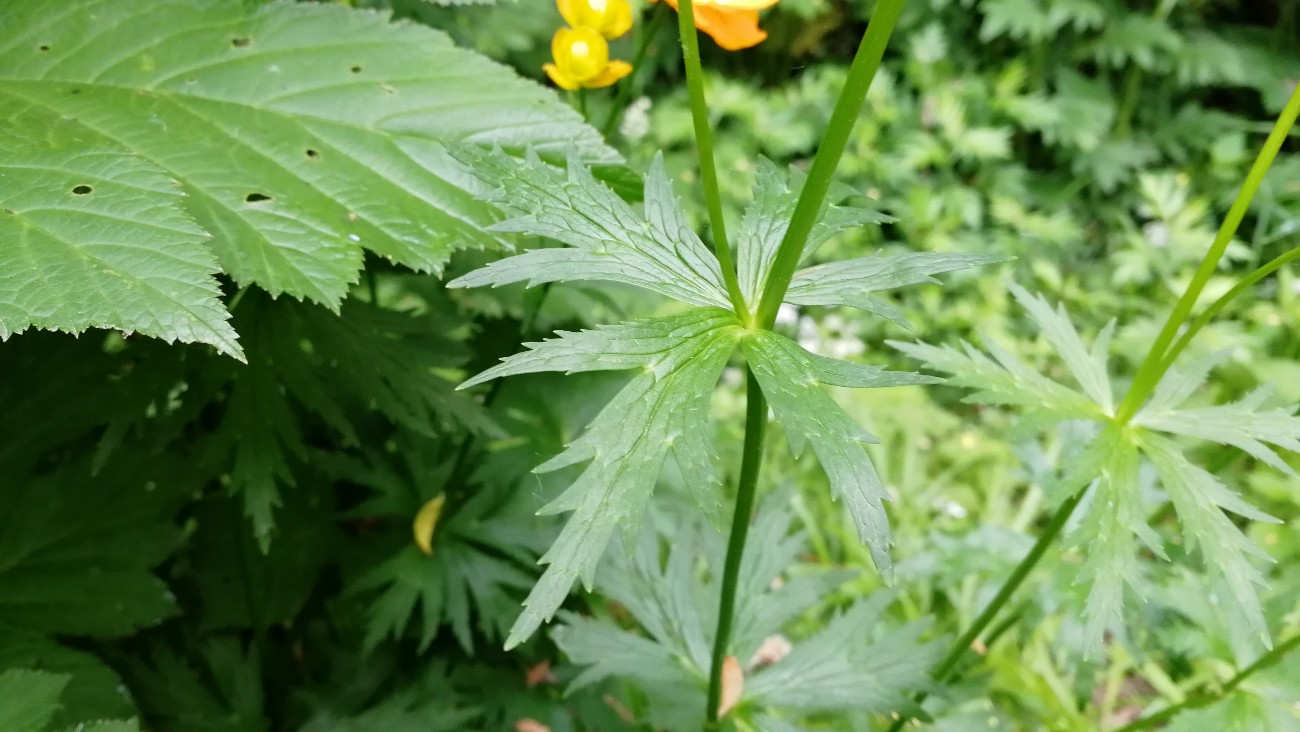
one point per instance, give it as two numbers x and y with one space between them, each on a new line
636 120
787 314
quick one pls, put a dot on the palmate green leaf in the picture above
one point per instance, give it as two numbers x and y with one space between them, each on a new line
674 602
338 367
1108 464
480 566
663 408
607 239
302 133
791 379
103 224
219 688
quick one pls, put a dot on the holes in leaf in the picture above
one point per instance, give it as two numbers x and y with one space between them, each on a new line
256 198
313 154
82 190
355 69
241 41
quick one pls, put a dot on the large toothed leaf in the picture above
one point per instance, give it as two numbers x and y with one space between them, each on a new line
105 225
1200 500
791 378
606 239
664 408
851 282
302 133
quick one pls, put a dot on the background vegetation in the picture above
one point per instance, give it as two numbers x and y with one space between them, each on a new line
205 544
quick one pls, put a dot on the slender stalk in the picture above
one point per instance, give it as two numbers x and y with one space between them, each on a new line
1201 320
806 211
704 143
962 645
582 104
625 88
1153 367
750 462
1207 698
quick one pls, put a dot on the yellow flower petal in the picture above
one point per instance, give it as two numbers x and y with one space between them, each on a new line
559 77
611 18
426 520
580 53
612 72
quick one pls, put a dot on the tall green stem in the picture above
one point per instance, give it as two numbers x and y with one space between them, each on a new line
626 87
962 645
806 211
1204 699
750 462
704 143
1218 305
1153 367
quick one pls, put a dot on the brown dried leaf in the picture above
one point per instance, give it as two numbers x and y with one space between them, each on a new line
733 685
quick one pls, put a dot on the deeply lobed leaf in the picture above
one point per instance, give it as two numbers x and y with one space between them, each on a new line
663 408
606 239
791 379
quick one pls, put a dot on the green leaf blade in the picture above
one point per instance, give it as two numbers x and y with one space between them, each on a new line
297 153
106 225
626 445
789 377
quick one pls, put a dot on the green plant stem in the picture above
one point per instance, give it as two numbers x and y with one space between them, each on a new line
1154 365
807 210
962 645
625 88
1207 698
704 143
1218 305
750 462
582 104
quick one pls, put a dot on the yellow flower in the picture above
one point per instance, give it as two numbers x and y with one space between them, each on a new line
612 18
582 60
733 24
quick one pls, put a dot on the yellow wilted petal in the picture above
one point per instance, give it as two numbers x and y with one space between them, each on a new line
733 685
426 521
